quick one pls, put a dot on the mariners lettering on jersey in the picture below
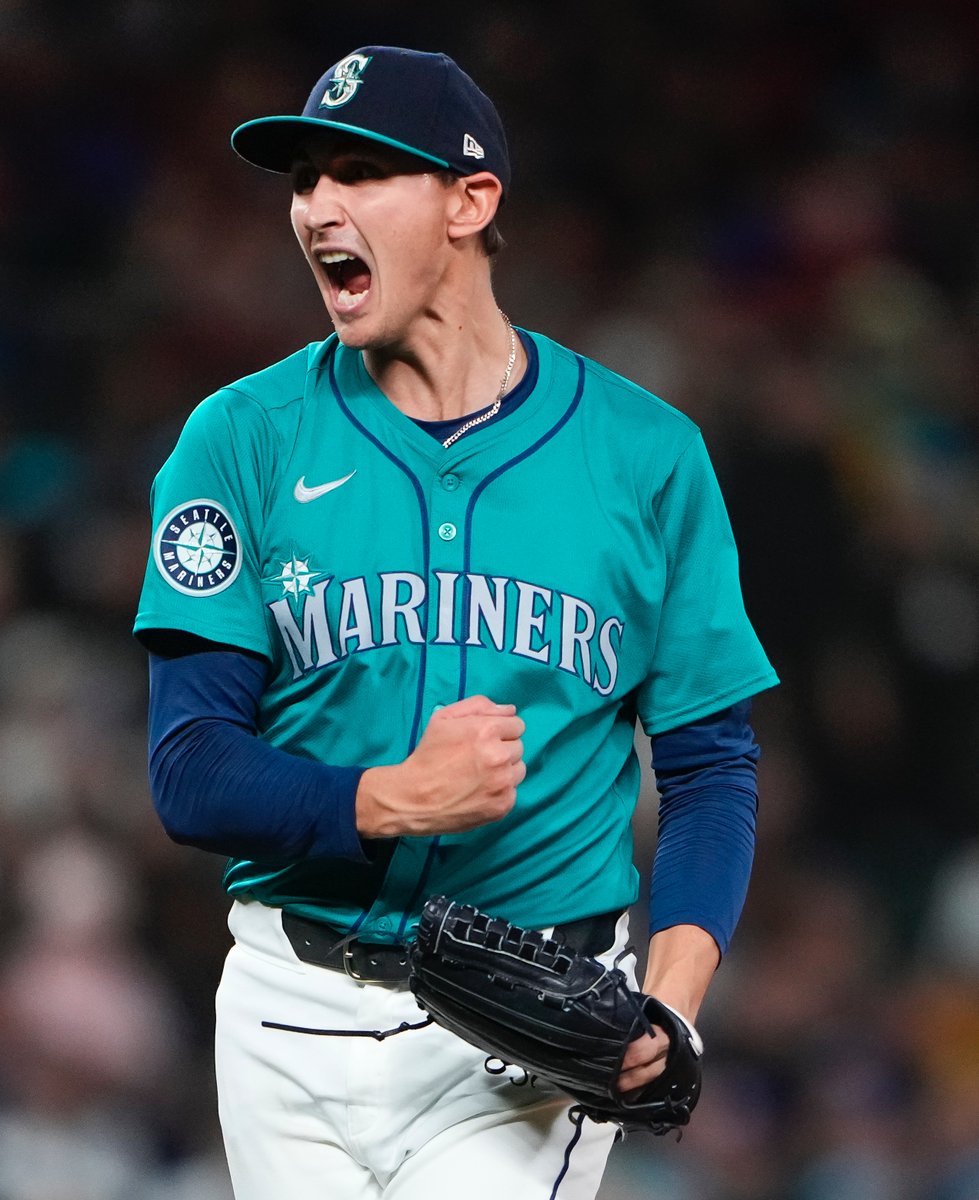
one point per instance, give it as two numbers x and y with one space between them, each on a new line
328 620
196 548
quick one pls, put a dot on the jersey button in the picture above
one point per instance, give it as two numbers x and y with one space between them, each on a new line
447 531
450 482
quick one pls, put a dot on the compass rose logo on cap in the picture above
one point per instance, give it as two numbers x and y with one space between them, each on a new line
347 78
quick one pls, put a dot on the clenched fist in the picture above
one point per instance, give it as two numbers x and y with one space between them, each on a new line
463 773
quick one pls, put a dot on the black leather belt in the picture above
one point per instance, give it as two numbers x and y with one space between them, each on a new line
378 962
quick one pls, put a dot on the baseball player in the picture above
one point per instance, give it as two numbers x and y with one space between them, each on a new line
409 591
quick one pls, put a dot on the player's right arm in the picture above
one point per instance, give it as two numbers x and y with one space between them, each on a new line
218 786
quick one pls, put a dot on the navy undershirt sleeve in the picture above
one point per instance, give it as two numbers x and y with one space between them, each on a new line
707 780
218 786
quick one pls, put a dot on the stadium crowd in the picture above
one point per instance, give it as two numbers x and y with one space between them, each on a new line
766 211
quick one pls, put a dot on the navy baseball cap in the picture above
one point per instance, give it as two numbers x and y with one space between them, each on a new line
422 103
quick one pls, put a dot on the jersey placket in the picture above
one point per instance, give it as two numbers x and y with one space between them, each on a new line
448 498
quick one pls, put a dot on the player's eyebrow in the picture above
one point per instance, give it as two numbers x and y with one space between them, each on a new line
329 156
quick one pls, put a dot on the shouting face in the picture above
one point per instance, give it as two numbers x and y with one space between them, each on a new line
373 223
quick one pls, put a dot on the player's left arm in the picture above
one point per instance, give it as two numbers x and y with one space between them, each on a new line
682 961
706 775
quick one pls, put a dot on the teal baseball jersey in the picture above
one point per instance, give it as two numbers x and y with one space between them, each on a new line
574 559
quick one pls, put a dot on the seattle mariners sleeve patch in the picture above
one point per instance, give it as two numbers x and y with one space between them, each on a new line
196 548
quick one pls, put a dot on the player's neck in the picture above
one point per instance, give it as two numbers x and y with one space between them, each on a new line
448 366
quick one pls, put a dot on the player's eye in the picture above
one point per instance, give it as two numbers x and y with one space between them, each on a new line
304 177
357 170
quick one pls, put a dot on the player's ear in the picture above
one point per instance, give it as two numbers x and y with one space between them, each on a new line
473 204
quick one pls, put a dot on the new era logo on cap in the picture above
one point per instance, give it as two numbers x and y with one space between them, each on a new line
471 148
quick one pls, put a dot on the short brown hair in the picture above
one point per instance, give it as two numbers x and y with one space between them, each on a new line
492 239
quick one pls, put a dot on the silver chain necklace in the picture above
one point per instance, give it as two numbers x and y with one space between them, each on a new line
504 384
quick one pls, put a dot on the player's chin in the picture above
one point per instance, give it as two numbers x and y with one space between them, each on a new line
351 316
353 334
352 323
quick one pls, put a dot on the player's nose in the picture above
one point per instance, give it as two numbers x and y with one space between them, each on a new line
323 208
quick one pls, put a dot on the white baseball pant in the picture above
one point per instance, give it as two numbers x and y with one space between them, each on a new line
352 1115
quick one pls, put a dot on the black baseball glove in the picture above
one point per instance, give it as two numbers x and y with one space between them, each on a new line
530 1001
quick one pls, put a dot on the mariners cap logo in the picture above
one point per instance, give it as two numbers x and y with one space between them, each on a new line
347 78
196 548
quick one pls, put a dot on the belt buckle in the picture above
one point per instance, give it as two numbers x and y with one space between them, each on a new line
348 957
348 961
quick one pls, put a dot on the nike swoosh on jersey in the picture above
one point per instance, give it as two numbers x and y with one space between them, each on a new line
304 494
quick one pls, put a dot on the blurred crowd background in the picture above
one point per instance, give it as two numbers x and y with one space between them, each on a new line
766 211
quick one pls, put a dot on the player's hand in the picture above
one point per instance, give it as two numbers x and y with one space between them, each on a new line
463 773
681 963
644 1060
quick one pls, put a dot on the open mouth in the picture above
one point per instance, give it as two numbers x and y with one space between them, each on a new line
349 276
